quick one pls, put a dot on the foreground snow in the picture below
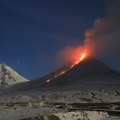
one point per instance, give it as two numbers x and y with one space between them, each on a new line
43 111
62 105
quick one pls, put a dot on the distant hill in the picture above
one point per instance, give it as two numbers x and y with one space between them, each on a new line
8 76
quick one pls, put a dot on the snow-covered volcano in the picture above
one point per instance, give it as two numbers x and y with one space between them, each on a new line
8 76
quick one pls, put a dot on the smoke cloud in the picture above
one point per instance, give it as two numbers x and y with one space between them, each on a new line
103 38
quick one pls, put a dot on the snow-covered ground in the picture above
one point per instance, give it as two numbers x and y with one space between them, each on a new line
80 96
22 112
44 104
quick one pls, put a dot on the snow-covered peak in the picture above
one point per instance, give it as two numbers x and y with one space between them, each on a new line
8 76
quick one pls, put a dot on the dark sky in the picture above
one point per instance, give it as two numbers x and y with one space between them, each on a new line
32 32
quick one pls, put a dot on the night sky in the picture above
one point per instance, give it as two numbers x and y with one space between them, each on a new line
32 32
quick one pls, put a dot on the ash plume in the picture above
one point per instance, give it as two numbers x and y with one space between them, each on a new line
103 38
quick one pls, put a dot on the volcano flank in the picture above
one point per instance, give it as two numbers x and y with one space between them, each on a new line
89 73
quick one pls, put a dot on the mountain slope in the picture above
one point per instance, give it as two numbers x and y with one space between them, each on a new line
89 69
89 72
8 76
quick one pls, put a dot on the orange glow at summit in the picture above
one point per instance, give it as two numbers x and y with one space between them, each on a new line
80 57
76 61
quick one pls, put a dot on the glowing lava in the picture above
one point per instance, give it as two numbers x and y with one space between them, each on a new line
82 57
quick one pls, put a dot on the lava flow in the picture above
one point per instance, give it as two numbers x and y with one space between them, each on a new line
82 57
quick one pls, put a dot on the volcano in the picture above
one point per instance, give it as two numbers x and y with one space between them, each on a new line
89 76
87 73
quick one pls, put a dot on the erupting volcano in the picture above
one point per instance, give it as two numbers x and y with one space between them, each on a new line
68 67
87 71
